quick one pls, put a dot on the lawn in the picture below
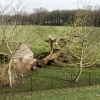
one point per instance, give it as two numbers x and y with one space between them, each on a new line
76 93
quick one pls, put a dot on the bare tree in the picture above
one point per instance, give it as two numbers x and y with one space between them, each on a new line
12 37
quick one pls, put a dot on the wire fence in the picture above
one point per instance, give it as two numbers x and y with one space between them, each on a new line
51 81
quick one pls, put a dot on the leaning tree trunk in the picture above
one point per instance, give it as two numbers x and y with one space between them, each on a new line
80 72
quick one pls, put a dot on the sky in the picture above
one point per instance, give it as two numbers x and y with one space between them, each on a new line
53 4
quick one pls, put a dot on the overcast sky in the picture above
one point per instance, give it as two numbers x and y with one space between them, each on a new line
53 4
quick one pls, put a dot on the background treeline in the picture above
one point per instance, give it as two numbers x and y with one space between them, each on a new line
43 17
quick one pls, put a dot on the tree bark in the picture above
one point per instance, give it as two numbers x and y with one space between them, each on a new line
51 56
9 73
80 72
81 63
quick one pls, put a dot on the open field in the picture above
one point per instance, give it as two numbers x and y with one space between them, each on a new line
34 36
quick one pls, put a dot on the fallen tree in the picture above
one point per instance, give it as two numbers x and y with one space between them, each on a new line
79 49
57 46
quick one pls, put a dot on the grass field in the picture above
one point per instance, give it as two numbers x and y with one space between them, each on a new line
77 93
34 36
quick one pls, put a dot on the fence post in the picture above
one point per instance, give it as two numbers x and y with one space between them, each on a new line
8 89
89 79
31 84
71 79
51 81
70 76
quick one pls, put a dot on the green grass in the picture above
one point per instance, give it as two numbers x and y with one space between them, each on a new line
34 36
77 93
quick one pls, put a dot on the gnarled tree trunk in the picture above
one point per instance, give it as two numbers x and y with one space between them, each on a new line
52 54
